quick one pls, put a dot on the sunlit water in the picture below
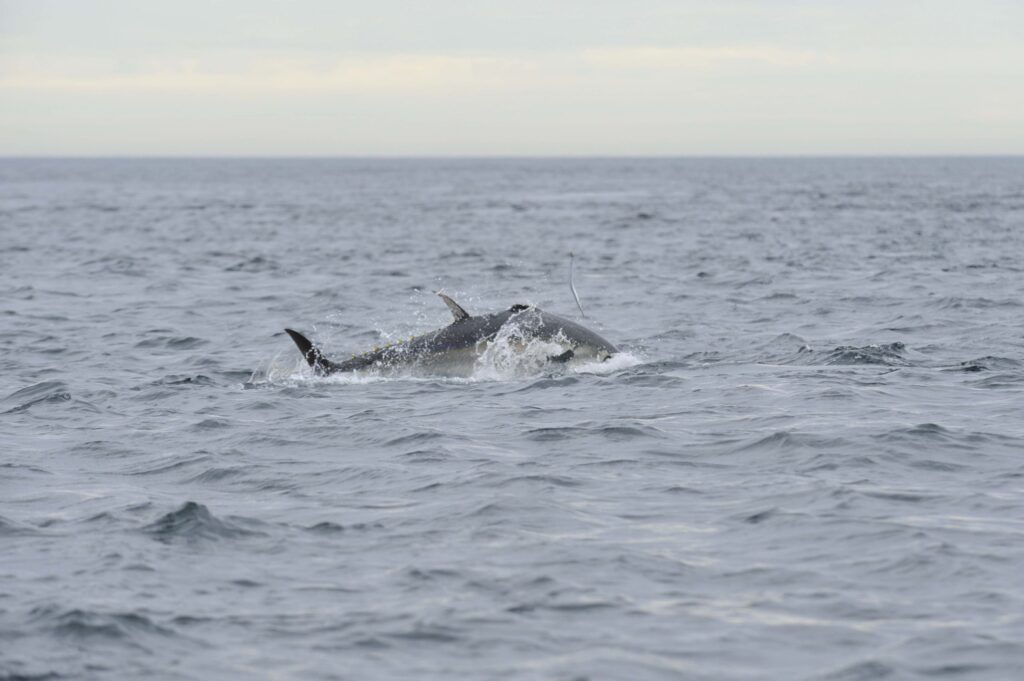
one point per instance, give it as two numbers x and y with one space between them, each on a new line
808 462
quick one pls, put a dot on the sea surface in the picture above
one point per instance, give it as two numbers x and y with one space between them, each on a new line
807 462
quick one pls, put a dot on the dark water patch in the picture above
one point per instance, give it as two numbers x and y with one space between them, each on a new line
24 467
784 343
835 460
10 528
617 433
976 303
178 379
167 464
139 508
581 606
264 440
45 346
967 671
255 264
79 623
238 377
939 466
760 516
609 463
120 265
390 273
312 389
926 430
691 458
786 441
219 474
326 527
430 634
779 295
370 643
86 406
282 484
209 424
418 439
682 489
20 291
668 366
933 434
473 254
432 574
988 363
548 383
193 522
969 366
172 342
911 564
150 394
539 480
29 676
651 380
786 348
429 487
624 433
844 393
556 433
867 670
888 354
110 518
490 509
426 455
103 208
44 393
901 496
999 381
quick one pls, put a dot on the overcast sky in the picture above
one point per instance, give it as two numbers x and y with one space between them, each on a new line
522 77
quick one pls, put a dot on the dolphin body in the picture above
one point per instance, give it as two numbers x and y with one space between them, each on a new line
455 349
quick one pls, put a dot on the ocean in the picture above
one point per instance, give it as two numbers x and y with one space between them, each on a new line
807 462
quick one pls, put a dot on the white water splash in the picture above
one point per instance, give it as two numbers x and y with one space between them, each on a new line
617 362
501 360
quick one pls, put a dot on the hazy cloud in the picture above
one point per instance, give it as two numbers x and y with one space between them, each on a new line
460 77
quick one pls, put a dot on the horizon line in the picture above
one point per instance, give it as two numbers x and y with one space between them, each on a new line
495 157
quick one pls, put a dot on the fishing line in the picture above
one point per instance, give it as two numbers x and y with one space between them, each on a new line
572 286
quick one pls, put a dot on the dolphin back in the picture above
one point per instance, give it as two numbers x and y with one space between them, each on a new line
459 343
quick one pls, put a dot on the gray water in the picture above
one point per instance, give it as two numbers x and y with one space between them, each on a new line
808 462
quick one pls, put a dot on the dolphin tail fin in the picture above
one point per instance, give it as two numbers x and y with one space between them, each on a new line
321 365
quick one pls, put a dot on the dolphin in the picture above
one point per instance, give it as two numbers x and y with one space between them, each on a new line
456 348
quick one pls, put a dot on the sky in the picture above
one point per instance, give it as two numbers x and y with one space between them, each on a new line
511 78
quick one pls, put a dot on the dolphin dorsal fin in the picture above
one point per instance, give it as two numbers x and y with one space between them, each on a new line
456 309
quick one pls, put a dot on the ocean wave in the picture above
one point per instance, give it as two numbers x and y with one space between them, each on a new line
193 522
886 354
46 392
